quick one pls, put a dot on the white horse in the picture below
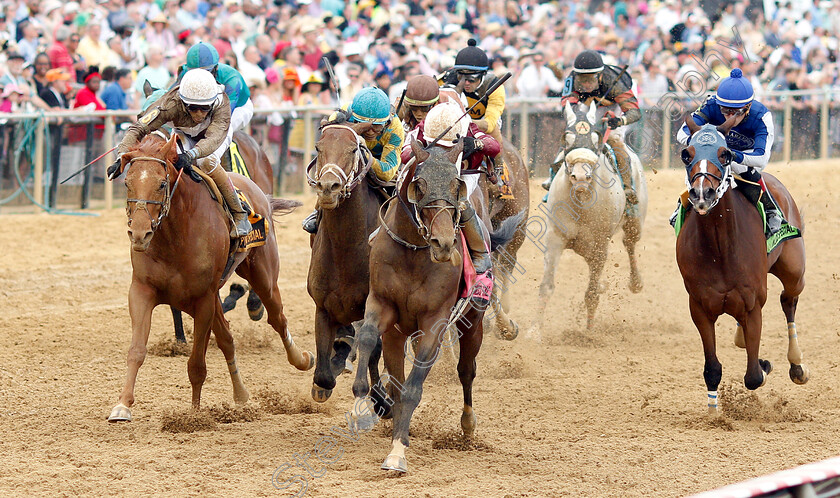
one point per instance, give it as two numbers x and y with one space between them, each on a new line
586 205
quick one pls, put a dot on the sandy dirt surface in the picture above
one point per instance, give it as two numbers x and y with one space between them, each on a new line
619 411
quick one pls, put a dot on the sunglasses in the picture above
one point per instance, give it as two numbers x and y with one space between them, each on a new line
469 78
352 76
74 40
198 108
730 111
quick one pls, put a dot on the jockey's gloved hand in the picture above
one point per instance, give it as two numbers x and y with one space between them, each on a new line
614 122
185 160
113 170
470 146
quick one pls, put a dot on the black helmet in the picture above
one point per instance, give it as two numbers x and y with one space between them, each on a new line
588 61
471 59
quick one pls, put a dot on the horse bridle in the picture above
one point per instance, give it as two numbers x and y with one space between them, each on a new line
143 203
724 180
414 215
361 166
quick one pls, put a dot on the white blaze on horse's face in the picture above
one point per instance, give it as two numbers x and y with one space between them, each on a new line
703 189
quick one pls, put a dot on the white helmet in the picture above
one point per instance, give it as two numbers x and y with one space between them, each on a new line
439 119
199 87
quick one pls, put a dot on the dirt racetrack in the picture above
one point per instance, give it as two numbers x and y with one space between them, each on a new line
616 412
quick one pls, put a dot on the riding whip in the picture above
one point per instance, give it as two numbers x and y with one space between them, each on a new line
400 103
88 165
499 82
333 80
623 70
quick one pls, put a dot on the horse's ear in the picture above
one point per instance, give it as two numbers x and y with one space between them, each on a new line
147 89
593 112
693 127
170 149
125 159
455 151
570 114
687 154
727 125
419 152
724 156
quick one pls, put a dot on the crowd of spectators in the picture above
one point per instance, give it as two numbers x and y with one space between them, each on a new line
99 53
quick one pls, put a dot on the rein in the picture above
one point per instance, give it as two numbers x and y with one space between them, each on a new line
143 203
361 166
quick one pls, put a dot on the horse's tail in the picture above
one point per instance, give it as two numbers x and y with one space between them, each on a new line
506 230
280 207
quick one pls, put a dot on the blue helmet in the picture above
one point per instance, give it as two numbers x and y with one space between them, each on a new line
370 105
202 56
735 91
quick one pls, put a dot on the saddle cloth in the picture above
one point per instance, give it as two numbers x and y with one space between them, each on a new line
787 231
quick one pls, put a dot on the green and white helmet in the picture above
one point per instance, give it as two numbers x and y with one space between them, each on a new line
199 87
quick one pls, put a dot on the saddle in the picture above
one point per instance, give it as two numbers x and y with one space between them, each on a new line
257 236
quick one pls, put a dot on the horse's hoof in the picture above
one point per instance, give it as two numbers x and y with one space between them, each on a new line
320 394
636 285
120 413
364 423
510 332
739 337
256 314
799 374
395 462
766 366
468 423
311 360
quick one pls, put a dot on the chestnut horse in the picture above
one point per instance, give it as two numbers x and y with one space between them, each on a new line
179 250
723 259
338 279
260 172
259 167
411 294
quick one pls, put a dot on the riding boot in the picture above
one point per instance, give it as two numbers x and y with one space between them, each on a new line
547 183
625 169
241 225
480 256
310 224
771 209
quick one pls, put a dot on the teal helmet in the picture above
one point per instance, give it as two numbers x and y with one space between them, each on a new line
202 55
370 105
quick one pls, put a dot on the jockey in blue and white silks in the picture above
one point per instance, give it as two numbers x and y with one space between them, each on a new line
750 140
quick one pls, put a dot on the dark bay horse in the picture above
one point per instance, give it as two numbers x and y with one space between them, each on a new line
723 259
412 293
500 209
338 270
179 249
259 170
